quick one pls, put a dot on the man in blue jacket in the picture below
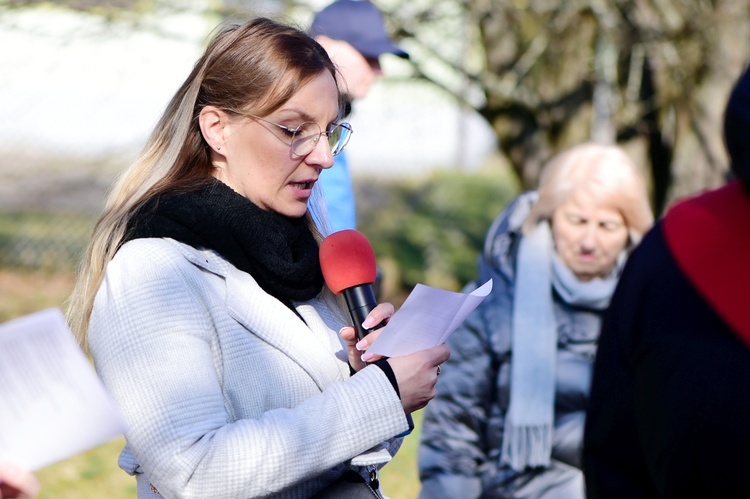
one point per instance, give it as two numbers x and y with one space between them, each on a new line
353 34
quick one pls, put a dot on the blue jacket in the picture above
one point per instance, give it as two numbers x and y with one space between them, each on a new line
338 195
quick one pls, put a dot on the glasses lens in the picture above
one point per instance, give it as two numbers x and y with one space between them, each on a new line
338 137
305 139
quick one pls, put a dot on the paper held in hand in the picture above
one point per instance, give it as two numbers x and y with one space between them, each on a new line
426 319
52 404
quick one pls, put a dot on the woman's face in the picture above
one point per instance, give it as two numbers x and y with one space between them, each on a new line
588 236
258 160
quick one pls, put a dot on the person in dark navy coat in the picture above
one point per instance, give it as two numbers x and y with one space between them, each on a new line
669 410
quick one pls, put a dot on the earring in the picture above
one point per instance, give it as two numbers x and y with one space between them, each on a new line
218 148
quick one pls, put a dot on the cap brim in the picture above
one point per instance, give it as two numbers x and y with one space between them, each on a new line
376 49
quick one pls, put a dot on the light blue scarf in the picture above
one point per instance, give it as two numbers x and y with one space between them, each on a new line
529 423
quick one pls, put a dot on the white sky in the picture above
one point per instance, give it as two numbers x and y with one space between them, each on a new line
70 83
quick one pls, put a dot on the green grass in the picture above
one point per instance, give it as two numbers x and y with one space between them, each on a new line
90 475
399 478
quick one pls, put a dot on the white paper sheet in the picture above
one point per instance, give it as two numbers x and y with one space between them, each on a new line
426 319
52 404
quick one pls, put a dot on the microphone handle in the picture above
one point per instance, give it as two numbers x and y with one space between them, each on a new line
361 300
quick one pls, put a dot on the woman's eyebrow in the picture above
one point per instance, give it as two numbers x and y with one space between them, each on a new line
304 116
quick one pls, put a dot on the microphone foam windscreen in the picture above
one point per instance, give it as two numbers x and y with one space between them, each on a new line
347 260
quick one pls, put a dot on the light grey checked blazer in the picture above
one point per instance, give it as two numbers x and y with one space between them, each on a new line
226 392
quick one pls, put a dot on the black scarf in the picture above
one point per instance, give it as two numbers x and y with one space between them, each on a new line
279 252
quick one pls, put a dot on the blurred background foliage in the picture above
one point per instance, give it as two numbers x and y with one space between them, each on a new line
427 229
650 75
431 229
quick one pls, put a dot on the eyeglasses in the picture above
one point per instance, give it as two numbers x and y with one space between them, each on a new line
305 137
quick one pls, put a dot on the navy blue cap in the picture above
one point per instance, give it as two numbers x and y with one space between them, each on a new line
359 23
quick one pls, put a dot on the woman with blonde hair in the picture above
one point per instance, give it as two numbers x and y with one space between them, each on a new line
203 303
508 417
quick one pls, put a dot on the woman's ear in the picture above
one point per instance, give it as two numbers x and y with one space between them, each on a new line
212 121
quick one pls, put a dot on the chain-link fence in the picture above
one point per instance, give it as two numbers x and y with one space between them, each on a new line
46 241
48 207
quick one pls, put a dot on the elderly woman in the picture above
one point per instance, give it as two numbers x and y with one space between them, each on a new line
509 414
202 298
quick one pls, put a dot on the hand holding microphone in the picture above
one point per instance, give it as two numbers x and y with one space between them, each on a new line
348 264
356 348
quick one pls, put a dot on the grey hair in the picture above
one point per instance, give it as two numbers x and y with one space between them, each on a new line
605 172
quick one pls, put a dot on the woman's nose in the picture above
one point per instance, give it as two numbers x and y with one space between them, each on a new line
321 154
588 239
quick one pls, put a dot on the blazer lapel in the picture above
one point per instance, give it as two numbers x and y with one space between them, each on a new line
269 319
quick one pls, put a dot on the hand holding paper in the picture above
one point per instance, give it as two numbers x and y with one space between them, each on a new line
426 319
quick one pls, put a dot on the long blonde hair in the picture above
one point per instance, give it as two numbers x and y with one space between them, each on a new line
603 171
251 68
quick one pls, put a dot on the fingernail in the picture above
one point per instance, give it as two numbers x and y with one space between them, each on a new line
369 322
367 357
341 331
361 345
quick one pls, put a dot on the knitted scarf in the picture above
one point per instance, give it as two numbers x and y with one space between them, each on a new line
529 423
279 252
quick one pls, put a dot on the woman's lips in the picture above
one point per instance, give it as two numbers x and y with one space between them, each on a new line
302 189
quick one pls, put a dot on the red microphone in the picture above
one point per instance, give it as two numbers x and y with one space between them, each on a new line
348 264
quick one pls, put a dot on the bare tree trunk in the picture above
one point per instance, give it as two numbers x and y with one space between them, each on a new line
700 160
